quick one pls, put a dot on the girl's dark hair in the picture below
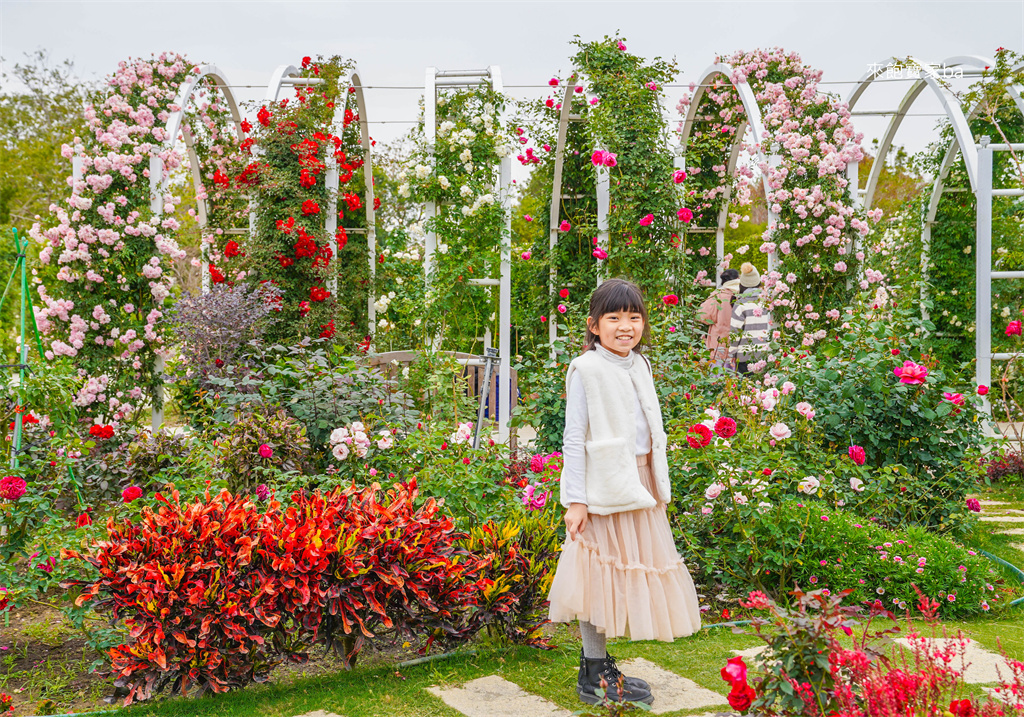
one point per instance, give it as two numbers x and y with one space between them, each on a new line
729 275
616 296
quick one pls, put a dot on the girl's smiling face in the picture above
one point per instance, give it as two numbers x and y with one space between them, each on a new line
618 331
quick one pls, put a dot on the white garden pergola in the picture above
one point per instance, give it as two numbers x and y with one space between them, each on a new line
977 158
439 79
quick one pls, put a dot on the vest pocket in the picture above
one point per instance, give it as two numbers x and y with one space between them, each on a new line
612 478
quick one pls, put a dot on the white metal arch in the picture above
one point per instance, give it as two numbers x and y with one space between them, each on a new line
950 104
756 124
433 80
176 124
290 76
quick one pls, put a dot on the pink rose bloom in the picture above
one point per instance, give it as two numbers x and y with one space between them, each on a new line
679 176
804 409
597 158
527 217
647 220
622 47
561 308
954 398
1013 328
780 431
911 373
525 256
564 226
685 215
600 253
537 463
553 82
713 491
265 450
973 505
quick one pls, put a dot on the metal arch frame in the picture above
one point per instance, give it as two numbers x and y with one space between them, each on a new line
433 79
756 124
950 105
158 182
290 75
602 190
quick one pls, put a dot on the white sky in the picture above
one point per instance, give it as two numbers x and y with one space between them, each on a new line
394 41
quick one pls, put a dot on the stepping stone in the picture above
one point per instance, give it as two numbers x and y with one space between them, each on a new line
672 692
1011 531
319 713
991 502
751 652
1003 519
1017 546
982 665
493 696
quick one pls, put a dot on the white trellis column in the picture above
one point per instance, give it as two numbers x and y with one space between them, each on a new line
983 271
603 202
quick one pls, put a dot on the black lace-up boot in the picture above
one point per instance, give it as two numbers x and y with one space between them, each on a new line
589 681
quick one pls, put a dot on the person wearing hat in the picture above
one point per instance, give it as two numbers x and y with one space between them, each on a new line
751 322
717 311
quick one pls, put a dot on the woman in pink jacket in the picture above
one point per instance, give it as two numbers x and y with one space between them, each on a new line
717 311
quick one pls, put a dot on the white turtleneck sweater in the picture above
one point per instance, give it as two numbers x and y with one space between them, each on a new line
574 484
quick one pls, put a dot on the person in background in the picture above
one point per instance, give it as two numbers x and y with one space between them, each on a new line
751 322
717 311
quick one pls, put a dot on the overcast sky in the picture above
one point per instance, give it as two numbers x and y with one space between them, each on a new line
393 42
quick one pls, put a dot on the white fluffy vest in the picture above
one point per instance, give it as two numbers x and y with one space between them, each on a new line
613 480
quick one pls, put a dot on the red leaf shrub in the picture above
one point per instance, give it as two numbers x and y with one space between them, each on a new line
215 593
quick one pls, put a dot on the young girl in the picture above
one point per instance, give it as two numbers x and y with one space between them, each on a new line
619 572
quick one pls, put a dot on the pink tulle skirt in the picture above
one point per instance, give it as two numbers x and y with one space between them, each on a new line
624 575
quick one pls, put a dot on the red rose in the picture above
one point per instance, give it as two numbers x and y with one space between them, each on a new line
856 454
306 179
231 250
310 207
222 179
131 493
895 352
1013 328
318 293
685 215
766 471
725 427
698 436
670 299
741 697
735 671
564 293
353 201
263 116
962 708
215 274
982 390
376 203
327 330
246 126
11 488
306 61
84 520
341 236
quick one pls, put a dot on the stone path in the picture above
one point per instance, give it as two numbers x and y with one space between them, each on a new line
494 696
1003 518
1011 531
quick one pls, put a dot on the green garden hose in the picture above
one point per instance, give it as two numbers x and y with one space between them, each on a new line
1017 571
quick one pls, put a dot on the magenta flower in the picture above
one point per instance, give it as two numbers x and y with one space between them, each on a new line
561 308
265 450
11 488
262 491
685 215
911 373
597 158
856 454
679 176
553 82
652 86
610 159
564 226
1013 328
954 398
622 46
973 505
600 253
527 217
647 220
525 256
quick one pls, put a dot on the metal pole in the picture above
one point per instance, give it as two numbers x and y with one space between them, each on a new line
490 355
983 271
603 201
22 350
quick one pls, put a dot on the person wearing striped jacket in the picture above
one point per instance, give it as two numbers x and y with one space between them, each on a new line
751 321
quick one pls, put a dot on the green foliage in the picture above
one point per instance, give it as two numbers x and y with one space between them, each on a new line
239 449
930 441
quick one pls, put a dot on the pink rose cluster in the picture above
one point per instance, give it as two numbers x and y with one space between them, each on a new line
600 158
911 373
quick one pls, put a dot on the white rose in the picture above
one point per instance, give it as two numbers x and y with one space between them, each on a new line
809 485
466 191
422 171
444 182
384 443
403 191
857 484
465 155
338 435
358 427
340 451
443 248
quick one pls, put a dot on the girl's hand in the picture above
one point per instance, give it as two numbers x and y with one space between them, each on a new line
576 519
